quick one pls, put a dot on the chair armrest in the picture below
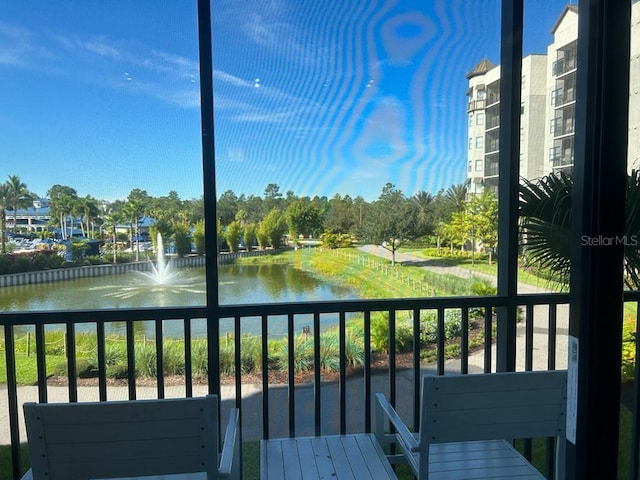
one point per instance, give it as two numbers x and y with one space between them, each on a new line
230 457
28 475
387 410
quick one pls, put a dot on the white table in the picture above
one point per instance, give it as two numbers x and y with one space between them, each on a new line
357 456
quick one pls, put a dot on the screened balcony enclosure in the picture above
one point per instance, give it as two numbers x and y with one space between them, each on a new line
579 330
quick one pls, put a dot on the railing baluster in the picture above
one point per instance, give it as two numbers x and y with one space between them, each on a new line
440 337
102 362
464 342
367 371
551 336
416 369
488 338
159 358
188 361
291 375
72 374
342 384
551 365
317 419
12 393
131 360
41 354
264 334
237 333
528 359
528 363
392 367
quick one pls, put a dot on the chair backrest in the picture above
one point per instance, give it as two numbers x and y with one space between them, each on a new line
460 408
79 441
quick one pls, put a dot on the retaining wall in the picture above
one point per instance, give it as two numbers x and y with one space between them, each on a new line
72 273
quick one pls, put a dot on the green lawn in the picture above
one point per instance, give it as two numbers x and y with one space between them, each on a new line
481 265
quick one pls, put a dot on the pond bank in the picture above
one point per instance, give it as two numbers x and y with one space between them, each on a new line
74 273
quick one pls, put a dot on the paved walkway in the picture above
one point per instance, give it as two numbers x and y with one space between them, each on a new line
439 267
251 408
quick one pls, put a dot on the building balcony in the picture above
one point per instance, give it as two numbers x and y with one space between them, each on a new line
560 67
559 130
492 122
561 160
475 105
274 402
562 97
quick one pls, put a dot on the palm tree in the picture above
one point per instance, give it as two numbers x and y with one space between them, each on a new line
4 203
135 208
545 210
62 198
426 204
456 196
19 197
91 211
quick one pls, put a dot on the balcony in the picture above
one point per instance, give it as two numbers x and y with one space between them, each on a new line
561 160
278 405
560 128
493 146
475 105
561 96
493 121
562 66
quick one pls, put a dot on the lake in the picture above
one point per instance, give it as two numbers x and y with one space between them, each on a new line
238 284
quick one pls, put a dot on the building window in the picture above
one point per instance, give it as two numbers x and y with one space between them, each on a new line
479 118
478 165
480 94
479 142
471 119
522 108
469 167
470 143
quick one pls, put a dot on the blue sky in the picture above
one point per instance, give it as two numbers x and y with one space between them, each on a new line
318 97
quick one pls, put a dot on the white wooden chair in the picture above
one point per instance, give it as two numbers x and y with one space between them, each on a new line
81 441
468 423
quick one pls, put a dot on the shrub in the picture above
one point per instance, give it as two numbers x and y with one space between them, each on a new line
86 368
182 240
354 347
429 326
227 359
198 237
628 350
145 358
94 260
250 354
329 351
199 359
173 358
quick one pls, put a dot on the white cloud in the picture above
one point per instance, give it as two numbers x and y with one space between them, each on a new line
17 46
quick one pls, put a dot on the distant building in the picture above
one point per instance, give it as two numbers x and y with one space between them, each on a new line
547 121
32 219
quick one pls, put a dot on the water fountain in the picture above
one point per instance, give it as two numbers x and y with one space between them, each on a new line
161 272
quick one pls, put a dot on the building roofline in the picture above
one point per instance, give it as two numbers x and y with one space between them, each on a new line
480 69
567 9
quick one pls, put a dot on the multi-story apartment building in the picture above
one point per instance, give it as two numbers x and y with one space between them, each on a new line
548 108
561 91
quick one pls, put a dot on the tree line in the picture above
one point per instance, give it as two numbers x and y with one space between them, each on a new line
444 218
